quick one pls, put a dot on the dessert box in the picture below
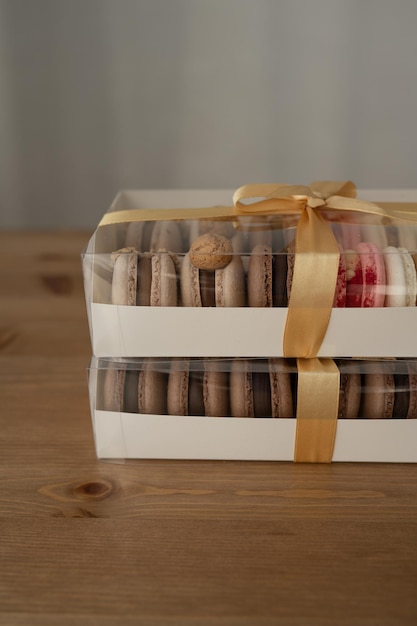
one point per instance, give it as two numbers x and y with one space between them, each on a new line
180 276
244 409
245 329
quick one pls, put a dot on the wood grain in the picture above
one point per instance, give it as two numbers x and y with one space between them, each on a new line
84 541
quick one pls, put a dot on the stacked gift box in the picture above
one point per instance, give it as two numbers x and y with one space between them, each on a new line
274 325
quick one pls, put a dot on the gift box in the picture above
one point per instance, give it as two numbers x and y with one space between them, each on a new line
245 409
250 325
308 274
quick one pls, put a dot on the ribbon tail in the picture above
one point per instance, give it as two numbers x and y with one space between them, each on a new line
314 280
317 410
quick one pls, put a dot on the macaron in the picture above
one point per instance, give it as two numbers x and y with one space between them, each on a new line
144 280
260 388
198 388
350 390
152 387
111 390
224 287
259 280
373 274
150 236
390 390
402 394
412 390
354 278
164 289
401 278
267 277
119 389
378 391
124 279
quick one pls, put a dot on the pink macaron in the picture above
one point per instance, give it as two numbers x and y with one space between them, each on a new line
373 274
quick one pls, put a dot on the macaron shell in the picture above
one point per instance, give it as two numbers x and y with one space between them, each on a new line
410 277
164 280
290 268
373 275
354 278
378 395
152 389
190 283
230 290
412 407
349 392
260 277
241 390
281 392
215 390
113 389
396 288
340 291
124 279
177 387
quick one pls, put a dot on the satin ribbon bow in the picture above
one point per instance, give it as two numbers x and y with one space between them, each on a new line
316 253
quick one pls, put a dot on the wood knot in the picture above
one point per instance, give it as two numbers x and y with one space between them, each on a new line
94 490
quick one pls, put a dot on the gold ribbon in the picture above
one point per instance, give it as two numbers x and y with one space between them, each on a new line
311 300
317 409
313 287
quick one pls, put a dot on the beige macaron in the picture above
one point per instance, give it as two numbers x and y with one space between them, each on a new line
144 280
222 287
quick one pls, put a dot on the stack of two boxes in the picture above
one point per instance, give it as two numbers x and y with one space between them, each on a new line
188 301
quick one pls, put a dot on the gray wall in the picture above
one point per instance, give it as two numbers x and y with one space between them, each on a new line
99 95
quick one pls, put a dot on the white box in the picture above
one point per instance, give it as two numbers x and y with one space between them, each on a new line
130 435
118 330
133 331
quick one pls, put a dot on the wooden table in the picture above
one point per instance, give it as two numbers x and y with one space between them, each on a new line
170 542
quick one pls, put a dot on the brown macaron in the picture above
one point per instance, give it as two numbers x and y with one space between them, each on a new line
152 387
198 388
260 277
378 391
260 388
350 390
111 389
118 387
209 288
405 401
144 280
